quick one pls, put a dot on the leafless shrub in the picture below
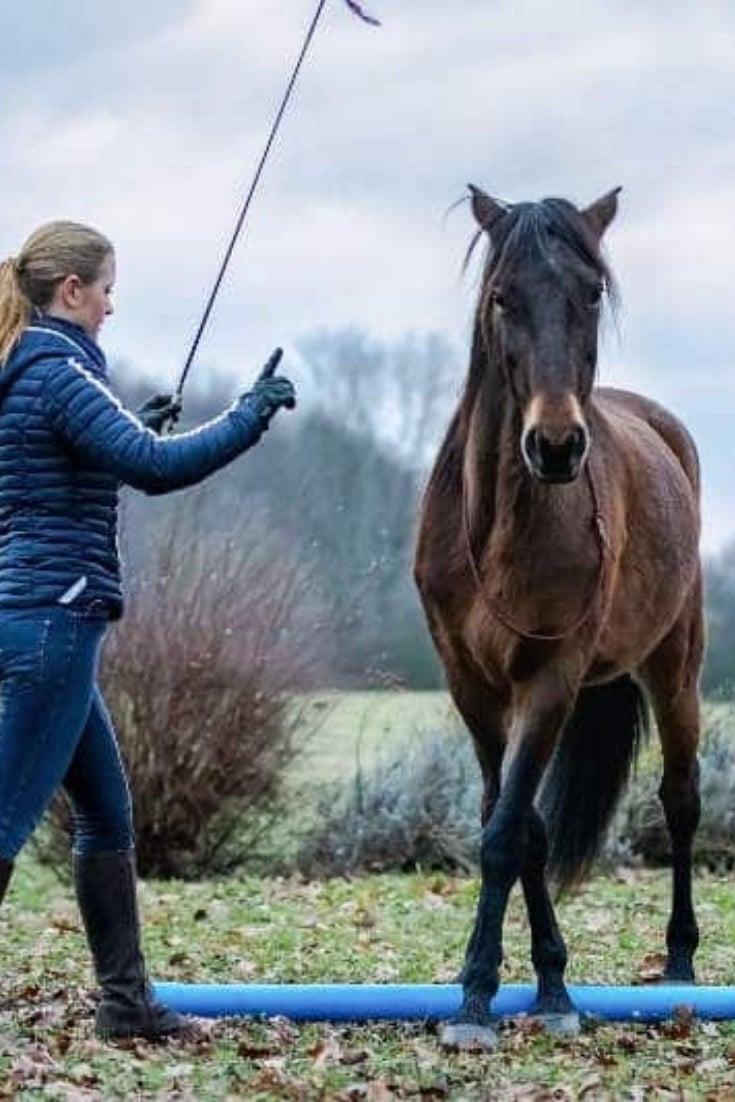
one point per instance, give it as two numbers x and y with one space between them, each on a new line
417 808
640 832
198 676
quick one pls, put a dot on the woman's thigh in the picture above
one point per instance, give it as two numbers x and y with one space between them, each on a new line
48 665
97 786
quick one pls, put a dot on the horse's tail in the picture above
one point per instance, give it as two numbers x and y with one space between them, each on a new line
588 773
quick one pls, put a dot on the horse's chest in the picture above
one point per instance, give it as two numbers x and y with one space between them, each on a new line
542 580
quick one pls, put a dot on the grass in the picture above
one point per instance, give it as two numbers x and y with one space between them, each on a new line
377 929
383 928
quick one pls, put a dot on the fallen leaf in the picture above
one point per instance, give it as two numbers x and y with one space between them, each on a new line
651 969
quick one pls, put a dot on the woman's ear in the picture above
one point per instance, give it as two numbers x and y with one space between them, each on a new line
68 291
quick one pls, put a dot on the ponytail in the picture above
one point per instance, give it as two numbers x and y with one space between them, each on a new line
15 309
28 282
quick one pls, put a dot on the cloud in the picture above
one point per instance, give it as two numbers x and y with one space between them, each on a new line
148 120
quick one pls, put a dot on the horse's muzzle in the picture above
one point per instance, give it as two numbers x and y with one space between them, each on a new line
558 460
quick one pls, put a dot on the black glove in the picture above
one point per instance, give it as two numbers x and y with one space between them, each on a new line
158 410
269 394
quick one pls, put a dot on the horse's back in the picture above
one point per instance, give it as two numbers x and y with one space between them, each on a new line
626 403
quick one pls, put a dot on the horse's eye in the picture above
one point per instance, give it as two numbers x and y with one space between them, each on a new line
595 297
498 301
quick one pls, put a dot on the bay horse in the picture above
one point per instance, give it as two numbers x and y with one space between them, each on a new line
558 567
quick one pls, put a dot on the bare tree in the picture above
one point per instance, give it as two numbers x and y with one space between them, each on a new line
401 394
341 481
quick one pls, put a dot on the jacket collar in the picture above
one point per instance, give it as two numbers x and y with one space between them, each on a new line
70 332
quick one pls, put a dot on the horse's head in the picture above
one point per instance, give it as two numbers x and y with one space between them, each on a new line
539 314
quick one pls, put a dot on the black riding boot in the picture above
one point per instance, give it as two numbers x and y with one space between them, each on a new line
106 890
6 871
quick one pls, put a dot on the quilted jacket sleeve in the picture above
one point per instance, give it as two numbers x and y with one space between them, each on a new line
86 413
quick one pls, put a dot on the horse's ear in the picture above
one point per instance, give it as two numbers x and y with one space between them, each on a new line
487 211
600 214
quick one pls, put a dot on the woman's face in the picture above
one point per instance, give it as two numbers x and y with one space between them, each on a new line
86 304
95 301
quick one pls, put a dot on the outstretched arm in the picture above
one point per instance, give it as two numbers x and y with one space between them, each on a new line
93 421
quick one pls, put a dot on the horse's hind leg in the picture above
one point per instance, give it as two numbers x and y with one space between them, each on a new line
548 951
678 722
671 676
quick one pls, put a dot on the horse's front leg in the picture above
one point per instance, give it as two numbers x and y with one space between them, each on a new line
553 1006
539 713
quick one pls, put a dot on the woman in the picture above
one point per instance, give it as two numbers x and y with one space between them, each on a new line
66 443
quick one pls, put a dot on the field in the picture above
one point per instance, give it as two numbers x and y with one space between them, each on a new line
382 928
352 729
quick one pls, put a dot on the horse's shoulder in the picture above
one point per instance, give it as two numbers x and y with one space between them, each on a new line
628 406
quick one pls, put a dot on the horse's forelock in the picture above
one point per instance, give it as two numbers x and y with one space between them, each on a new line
530 232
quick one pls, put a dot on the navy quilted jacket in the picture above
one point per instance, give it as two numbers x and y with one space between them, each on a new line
66 443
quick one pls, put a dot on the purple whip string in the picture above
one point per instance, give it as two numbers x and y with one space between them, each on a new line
362 14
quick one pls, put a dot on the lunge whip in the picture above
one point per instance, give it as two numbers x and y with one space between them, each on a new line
359 11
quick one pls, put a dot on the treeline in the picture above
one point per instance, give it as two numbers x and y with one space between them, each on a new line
334 492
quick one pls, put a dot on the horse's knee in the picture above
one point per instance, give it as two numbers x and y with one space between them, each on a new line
502 852
549 954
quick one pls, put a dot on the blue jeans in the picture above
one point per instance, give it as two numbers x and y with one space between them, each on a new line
55 730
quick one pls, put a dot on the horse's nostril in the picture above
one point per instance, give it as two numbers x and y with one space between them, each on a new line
532 442
577 441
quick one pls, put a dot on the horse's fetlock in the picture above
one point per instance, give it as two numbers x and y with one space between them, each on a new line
477 999
682 936
550 958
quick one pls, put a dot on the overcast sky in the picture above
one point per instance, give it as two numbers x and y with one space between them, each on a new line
147 119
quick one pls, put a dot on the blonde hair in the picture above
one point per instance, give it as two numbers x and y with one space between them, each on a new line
28 281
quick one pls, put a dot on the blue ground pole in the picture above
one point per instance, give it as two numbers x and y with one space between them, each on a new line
341 1002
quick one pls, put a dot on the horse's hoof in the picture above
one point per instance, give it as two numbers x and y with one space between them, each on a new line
468 1037
561 1025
